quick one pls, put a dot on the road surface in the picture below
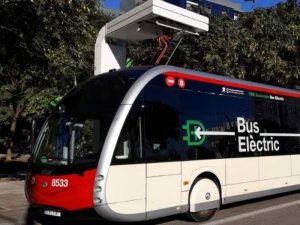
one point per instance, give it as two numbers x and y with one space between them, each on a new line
276 210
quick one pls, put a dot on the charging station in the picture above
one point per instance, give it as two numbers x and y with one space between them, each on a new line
147 21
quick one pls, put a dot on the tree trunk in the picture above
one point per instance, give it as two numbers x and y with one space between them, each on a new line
13 126
9 150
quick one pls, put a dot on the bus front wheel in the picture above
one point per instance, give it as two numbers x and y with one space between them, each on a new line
204 199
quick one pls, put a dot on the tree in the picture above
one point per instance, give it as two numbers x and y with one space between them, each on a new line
44 46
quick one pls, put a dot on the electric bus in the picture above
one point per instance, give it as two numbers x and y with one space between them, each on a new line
144 143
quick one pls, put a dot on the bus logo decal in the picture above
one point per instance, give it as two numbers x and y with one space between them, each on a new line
249 137
246 130
196 133
170 81
193 132
181 83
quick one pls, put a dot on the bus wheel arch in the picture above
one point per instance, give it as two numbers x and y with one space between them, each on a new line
211 176
204 197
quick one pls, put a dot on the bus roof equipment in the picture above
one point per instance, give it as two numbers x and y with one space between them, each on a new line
146 21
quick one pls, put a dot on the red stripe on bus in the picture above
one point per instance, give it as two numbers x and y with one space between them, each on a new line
231 84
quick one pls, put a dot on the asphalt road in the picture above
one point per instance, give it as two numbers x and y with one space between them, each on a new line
277 210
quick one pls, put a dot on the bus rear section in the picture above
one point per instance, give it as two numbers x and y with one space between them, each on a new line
162 141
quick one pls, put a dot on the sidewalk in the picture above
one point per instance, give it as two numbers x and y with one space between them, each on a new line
13 204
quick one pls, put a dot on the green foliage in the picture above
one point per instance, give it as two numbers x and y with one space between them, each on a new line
44 46
262 45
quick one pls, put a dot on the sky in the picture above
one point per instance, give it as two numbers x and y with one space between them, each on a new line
246 5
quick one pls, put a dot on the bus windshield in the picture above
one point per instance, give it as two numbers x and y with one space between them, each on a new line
75 133
67 141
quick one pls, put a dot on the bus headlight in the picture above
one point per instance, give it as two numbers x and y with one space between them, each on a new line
98 189
100 177
97 201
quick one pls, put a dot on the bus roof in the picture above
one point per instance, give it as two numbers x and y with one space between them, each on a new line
143 75
188 74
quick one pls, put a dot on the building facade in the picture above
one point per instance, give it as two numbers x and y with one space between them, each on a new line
214 7
218 7
129 4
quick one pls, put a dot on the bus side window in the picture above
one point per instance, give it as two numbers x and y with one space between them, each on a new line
128 146
161 125
289 120
122 151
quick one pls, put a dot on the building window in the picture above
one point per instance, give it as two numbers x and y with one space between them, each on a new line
235 16
208 9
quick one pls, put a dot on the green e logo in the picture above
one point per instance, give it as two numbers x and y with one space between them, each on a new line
193 132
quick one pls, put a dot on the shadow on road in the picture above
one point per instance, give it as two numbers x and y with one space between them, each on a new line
164 220
12 170
151 222
261 199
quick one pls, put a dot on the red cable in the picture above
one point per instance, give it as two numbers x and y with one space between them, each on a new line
165 39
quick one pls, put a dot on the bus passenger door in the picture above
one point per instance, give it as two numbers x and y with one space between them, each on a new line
163 191
126 189
160 124
163 172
